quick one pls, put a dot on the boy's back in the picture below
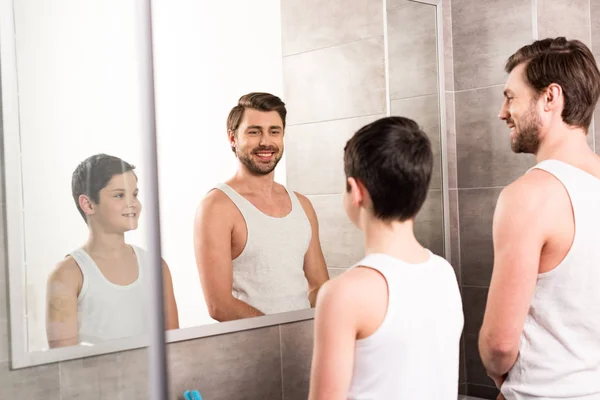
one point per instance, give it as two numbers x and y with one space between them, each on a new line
414 351
389 328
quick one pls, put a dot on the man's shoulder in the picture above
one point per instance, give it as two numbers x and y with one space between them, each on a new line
532 188
215 201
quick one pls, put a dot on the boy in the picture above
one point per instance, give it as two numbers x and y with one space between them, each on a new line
389 327
98 292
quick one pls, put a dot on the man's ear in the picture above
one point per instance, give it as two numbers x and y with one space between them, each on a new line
232 139
553 97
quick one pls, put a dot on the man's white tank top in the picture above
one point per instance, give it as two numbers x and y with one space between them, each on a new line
415 352
269 273
559 352
108 311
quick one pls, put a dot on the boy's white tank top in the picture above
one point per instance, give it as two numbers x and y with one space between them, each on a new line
108 311
269 273
559 352
415 352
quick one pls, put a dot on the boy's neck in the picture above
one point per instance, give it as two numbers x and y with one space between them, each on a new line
396 239
106 243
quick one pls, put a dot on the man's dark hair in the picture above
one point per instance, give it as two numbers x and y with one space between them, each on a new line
93 174
568 63
392 158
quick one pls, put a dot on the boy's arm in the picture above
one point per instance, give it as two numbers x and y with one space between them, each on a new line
63 287
334 340
315 268
171 313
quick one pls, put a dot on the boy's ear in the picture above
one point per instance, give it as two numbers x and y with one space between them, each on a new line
356 192
86 204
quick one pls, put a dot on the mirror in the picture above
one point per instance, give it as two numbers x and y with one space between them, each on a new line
266 252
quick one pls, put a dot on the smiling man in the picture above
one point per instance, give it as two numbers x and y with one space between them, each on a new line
256 242
540 337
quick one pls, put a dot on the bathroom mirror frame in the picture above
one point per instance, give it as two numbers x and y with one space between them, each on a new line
14 224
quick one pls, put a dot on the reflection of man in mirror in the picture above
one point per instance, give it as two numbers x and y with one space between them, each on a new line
540 337
98 292
256 242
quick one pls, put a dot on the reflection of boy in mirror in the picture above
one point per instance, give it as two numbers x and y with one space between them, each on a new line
98 292
390 326
256 242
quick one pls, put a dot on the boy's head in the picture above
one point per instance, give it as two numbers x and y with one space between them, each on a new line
388 166
105 191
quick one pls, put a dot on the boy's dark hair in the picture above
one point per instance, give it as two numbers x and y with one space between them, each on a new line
392 158
93 174
568 63
257 101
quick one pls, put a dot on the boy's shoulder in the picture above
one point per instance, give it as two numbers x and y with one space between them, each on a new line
353 287
67 271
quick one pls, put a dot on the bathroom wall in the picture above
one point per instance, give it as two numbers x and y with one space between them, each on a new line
334 83
484 35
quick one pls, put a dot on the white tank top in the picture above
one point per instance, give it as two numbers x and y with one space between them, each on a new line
415 352
559 352
269 273
108 311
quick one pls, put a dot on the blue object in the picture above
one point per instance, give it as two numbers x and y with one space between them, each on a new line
196 395
193 395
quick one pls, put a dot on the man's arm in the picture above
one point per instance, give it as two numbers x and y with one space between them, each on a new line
212 247
315 268
171 313
334 341
518 236
62 289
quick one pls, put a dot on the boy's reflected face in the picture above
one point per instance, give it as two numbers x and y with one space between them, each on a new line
119 208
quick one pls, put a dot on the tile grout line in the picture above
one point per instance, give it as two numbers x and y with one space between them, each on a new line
591 25
478 88
479 188
333 46
336 119
281 363
60 386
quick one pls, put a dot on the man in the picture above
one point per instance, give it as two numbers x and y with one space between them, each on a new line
540 337
256 243
389 327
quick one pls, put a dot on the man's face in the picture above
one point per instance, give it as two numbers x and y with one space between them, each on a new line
118 209
258 141
520 111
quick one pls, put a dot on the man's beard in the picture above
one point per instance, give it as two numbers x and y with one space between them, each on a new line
260 168
527 136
